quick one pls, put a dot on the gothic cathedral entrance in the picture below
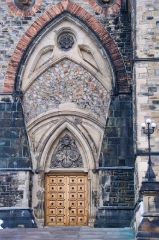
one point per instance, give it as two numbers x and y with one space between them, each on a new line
66 200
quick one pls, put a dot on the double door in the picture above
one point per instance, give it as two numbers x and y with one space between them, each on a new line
66 200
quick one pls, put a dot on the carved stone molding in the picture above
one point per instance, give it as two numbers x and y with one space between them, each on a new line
66 154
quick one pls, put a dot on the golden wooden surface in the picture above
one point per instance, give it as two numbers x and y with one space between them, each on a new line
66 200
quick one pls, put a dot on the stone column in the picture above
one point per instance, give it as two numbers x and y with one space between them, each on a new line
149 226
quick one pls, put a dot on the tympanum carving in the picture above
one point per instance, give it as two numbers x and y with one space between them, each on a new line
66 154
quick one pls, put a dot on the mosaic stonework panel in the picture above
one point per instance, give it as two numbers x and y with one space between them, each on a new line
65 82
66 154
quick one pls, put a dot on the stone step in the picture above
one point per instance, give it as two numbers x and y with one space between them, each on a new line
67 233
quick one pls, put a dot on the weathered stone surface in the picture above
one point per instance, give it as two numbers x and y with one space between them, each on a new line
14 189
117 187
14 149
117 149
110 218
16 218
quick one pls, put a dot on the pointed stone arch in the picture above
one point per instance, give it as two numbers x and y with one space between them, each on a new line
88 159
18 57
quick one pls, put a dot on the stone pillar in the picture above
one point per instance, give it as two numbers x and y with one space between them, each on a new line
149 226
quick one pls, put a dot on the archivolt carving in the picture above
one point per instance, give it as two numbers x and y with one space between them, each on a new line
88 160
66 154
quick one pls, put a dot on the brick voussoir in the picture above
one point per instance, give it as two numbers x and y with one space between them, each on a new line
58 8
32 31
23 43
79 13
107 41
86 17
65 4
12 69
51 12
13 63
47 16
74 8
18 54
26 38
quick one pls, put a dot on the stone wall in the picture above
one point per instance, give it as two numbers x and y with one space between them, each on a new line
147 106
146 91
147 25
146 79
14 189
112 218
116 162
17 218
14 149
117 187
116 197
117 145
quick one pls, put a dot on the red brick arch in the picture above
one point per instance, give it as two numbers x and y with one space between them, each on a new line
80 13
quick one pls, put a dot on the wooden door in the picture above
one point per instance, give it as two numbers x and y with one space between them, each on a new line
66 200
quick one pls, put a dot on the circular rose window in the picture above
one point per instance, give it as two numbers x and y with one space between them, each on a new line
65 41
105 6
105 3
24 4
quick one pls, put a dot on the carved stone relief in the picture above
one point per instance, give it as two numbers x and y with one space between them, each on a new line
66 154
66 41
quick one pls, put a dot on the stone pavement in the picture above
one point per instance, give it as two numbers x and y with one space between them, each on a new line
67 233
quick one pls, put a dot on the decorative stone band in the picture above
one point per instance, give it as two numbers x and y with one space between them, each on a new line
105 10
84 16
15 208
23 12
17 169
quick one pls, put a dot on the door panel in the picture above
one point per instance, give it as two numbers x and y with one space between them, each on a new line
66 200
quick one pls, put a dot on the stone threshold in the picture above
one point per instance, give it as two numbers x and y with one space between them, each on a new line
115 208
15 208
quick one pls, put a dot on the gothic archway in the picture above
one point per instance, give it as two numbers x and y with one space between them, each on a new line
52 14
